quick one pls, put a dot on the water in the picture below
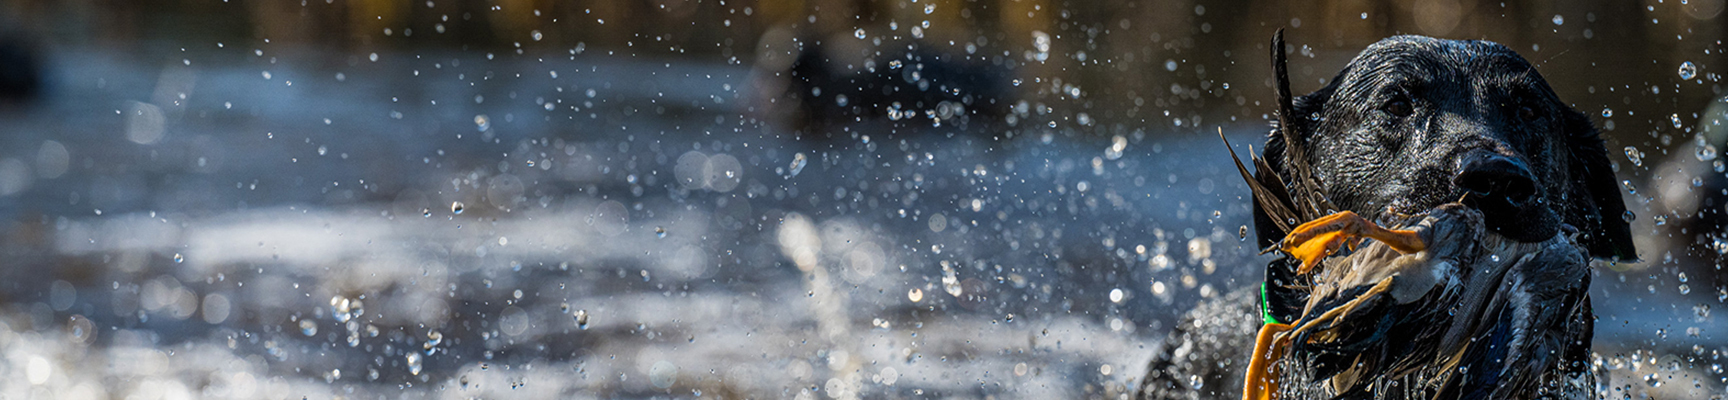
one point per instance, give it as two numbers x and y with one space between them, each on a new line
582 255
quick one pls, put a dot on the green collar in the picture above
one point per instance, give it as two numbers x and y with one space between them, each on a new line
1266 306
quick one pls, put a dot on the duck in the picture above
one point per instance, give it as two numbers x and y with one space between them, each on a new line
1436 307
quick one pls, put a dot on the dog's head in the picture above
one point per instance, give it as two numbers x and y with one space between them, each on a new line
1415 122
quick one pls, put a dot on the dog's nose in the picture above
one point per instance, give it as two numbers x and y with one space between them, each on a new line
1496 176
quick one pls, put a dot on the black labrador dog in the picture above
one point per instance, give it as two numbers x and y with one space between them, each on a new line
1410 124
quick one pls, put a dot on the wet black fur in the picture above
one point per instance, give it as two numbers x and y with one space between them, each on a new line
1393 130
1463 96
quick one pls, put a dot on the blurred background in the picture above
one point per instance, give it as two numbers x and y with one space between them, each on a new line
730 198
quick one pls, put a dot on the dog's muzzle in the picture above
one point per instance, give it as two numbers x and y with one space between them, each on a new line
1495 178
1505 190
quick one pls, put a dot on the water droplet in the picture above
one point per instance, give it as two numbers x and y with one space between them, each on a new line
433 338
663 374
426 212
413 363
1116 295
481 122
929 8
1242 233
1706 153
178 258
915 295
1559 20
1364 15
456 207
1628 216
308 328
1688 70
858 33
1674 119
950 279
659 232
1630 188
798 162
1607 113
1637 158
582 319
341 308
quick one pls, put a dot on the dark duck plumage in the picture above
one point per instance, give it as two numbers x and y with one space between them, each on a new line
1443 305
1471 315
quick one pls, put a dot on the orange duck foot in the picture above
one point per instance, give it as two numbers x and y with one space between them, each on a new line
1323 237
1261 382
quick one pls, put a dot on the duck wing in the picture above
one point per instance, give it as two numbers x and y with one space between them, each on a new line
1268 189
1305 195
1534 328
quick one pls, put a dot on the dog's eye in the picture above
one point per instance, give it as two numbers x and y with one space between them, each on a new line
1526 113
1398 107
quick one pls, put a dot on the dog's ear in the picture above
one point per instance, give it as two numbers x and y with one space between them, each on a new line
1607 234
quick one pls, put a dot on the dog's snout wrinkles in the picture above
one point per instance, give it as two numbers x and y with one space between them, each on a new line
1495 176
